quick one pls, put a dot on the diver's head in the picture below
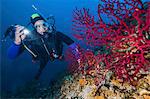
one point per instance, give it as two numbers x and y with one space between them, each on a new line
41 27
39 23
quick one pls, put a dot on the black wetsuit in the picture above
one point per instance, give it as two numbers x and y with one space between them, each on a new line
53 42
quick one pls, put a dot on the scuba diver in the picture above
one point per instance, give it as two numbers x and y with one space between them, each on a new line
45 42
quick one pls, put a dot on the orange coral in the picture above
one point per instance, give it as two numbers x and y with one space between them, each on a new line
82 81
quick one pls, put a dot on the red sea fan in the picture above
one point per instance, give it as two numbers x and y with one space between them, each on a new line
127 34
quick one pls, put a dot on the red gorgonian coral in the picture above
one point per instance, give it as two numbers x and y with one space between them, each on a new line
126 33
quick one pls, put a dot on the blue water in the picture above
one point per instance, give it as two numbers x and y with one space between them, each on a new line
21 70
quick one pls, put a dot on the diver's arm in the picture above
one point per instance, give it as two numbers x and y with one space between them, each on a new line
16 48
65 38
13 51
72 45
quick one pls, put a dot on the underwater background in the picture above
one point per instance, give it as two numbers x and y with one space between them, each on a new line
15 73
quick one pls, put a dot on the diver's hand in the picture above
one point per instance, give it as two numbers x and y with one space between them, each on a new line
19 35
